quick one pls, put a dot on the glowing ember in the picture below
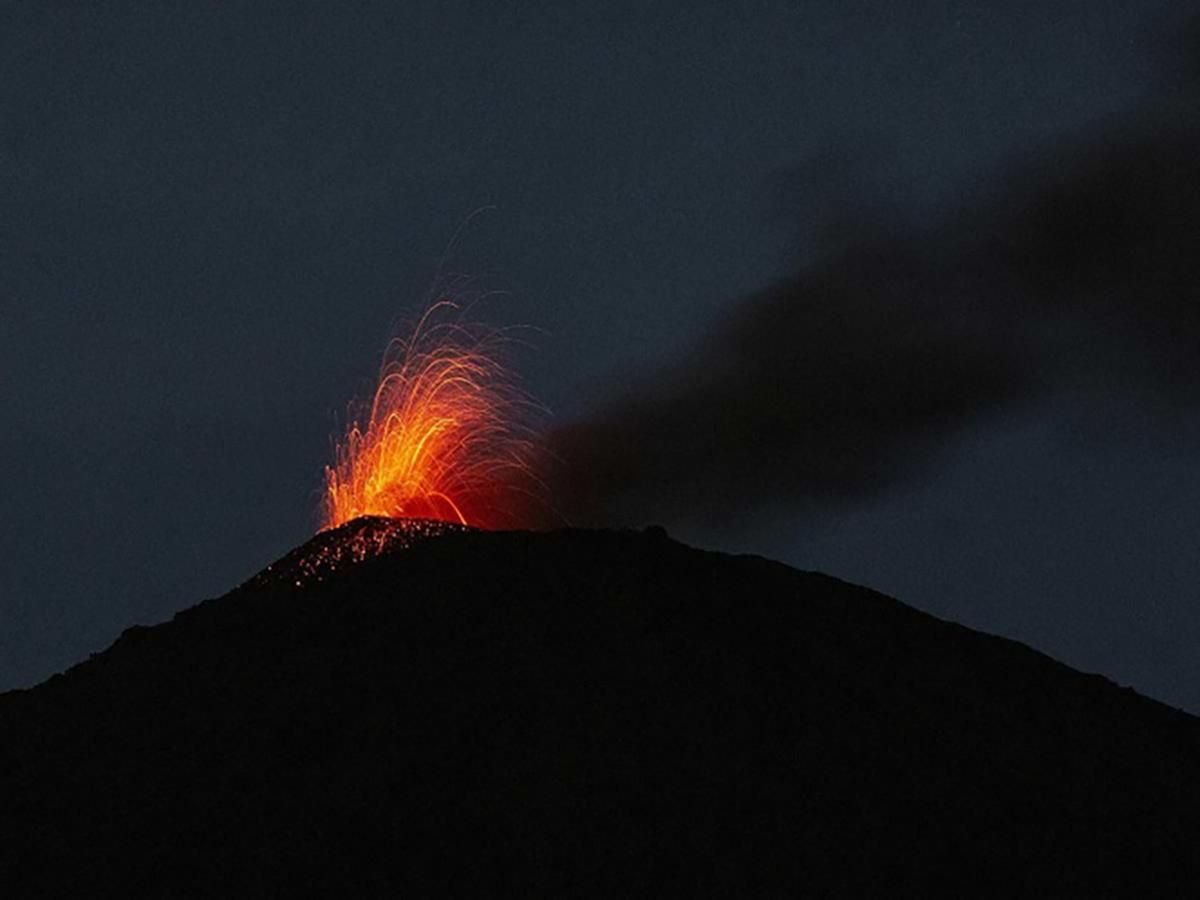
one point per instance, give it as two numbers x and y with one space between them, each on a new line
353 543
443 438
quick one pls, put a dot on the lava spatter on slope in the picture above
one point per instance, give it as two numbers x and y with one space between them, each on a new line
356 541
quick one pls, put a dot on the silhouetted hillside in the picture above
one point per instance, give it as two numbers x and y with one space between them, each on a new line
583 713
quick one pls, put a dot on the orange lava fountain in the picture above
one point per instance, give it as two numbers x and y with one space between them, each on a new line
443 438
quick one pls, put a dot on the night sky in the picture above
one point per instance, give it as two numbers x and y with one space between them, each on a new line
903 293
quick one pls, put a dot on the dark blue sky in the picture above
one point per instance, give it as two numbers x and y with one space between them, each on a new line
212 213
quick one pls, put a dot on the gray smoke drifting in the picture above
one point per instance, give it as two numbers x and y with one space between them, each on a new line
1078 266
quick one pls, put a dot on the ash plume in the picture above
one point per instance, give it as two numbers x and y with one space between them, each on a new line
1072 269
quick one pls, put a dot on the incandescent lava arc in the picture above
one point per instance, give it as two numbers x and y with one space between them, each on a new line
446 436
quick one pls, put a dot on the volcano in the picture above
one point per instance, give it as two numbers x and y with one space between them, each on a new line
582 713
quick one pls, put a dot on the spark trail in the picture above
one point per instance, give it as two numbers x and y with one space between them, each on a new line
445 436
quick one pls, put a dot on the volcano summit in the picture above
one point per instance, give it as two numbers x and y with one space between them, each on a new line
583 713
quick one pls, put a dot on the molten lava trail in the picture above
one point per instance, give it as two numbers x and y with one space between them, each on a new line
444 438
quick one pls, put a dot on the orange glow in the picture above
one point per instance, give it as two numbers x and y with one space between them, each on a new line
443 438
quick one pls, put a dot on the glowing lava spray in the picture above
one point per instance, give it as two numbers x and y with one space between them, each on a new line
447 435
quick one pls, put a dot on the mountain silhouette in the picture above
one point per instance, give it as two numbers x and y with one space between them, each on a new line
411 709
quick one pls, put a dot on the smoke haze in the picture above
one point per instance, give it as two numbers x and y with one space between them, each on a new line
1075 268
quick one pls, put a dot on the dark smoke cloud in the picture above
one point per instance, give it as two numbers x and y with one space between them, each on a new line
1079 267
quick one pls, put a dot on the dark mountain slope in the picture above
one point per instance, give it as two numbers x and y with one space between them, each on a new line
584 713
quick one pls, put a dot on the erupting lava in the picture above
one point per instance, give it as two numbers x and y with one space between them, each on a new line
443 438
